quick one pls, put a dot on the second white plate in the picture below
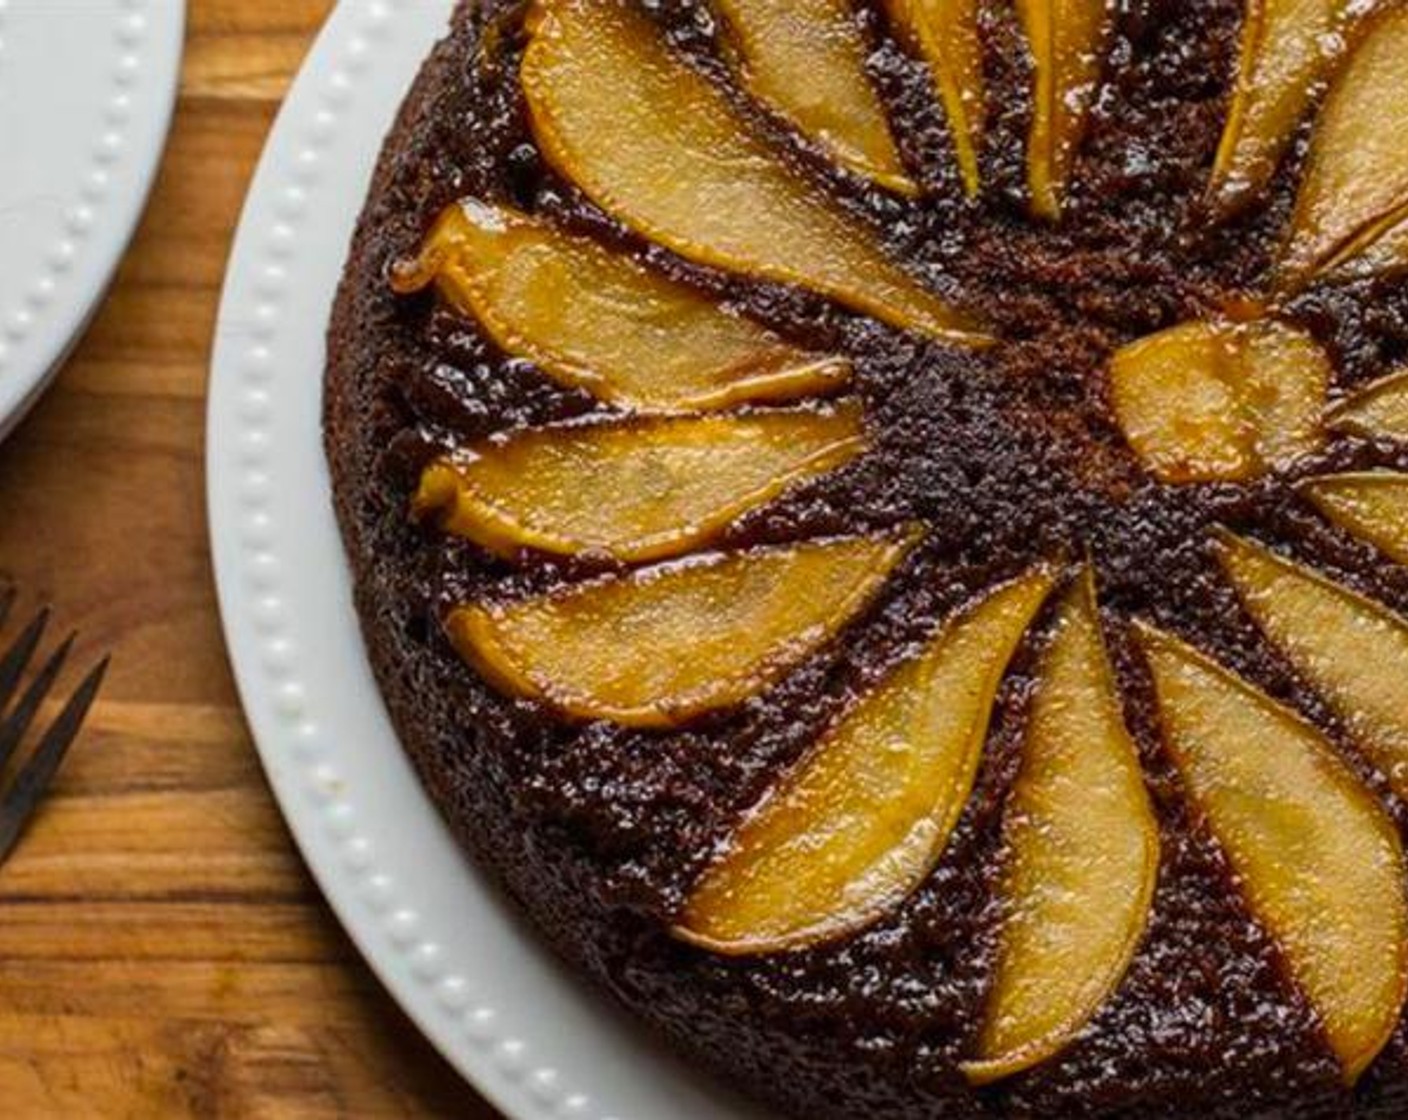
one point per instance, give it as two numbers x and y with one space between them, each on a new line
86 93
532 1037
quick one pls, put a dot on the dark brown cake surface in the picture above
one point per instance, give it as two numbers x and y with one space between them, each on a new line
1006 457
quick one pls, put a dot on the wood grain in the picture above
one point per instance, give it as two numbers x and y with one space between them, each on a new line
163 952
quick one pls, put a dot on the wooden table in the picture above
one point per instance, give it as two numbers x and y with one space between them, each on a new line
163 952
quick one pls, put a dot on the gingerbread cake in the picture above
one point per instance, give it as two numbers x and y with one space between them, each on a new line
884 525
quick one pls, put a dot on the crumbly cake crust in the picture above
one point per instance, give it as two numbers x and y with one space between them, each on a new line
597 831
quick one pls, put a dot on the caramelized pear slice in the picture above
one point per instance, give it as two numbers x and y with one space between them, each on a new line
864 818
660 645
945 34
1289 47
1209 401
1379 410
1351 213
1351 650
805 59
1372 505
656 145
596 319
1068 39
1318 858
633 489
1084 851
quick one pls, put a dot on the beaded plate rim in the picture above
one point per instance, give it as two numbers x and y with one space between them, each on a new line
132 88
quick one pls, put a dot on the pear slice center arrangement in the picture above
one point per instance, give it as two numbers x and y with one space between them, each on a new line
1320 861
1221 401
730 199
1083 851
865 817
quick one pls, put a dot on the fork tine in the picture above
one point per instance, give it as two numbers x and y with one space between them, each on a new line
16 660
13 729
19 804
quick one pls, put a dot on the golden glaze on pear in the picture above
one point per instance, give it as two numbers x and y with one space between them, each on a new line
1318 858
1377 411
1218 400
1068 40
597 319
1083 856
1373 505
1351 215
1288 50
638 488
864 817
944 33
805 59
1353 651
658 646
660 148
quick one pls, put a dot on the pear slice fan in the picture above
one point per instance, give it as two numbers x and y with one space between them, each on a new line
707 416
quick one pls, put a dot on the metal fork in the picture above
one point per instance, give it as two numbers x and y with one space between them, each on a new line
19 802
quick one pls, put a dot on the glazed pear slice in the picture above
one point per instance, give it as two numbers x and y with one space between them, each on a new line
805 59
864 818
1084 856
1378 411
1318 858
1373 505
1289 48
633 489
658 146
1349 648
1217 400
1352 210
1068 41
945 34
661 645
596 319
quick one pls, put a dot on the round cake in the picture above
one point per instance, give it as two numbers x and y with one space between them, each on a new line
885 527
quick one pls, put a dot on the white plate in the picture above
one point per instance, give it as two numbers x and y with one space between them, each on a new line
534 1039
86 93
